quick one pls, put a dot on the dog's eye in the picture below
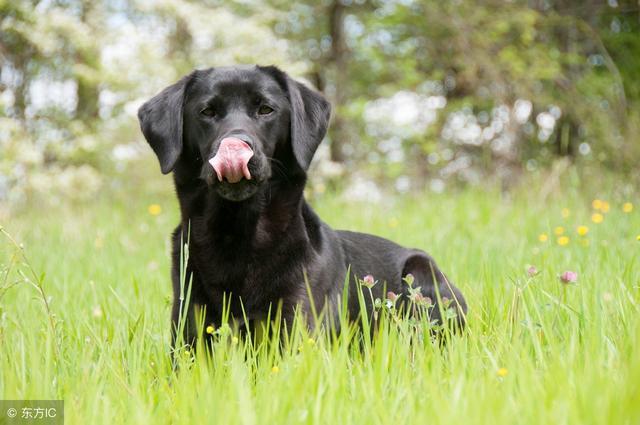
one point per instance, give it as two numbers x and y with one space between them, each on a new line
265 110
208 112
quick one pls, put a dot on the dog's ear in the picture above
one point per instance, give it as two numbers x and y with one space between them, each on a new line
310 113
161 123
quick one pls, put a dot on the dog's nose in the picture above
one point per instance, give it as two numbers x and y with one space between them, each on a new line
239 134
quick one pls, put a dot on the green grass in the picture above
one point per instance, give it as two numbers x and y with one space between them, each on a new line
567 354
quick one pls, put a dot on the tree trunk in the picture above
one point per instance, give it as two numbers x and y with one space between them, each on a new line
20 91
180 45
88 99
339 59
88 91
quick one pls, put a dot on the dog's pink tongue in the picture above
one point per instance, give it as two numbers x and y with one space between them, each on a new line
232 160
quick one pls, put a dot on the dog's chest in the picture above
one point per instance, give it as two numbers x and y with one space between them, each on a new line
257 258
251 267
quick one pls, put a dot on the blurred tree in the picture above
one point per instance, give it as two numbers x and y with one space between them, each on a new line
18 50
87 68
482 57
41 40
72 73
421 90
319 30
339 59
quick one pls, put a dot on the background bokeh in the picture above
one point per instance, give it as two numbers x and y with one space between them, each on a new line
427 95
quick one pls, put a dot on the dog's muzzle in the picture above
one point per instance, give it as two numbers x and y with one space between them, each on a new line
232 160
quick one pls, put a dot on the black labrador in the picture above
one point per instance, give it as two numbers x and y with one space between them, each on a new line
239 141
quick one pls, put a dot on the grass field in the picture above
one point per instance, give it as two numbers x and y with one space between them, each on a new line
536 351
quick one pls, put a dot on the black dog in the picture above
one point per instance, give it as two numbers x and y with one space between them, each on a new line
239 141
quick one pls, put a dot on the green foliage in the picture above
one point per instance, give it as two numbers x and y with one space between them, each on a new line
73 73
484 57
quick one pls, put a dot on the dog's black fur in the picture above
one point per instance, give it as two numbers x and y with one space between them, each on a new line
255 240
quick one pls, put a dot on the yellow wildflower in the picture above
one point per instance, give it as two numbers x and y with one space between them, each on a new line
154 209
596 204
311 341
502 372
627 207
275 369
638 238
210 329
582 230
597 218
605 207
234 340
543 237
558 230
563 240
565 212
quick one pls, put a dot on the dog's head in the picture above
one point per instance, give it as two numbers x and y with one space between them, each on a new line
232 126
